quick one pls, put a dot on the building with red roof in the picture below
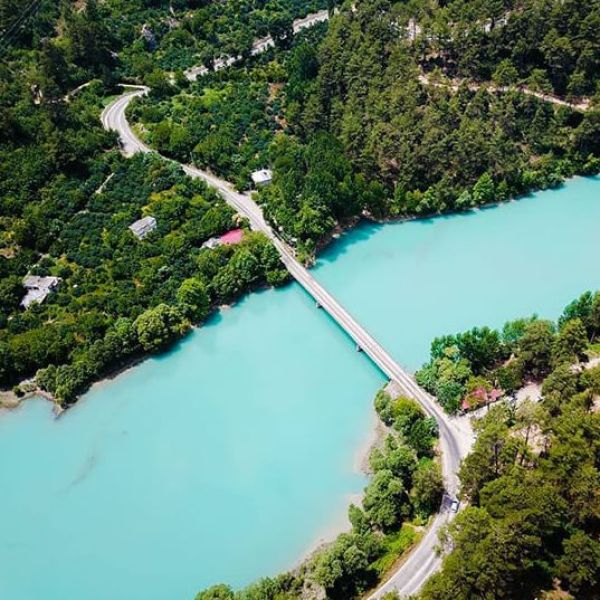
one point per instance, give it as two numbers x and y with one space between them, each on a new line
232 237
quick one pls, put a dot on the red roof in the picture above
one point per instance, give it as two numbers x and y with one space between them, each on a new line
495 394
232 237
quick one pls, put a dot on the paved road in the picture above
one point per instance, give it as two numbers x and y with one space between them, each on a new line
454 440
258 47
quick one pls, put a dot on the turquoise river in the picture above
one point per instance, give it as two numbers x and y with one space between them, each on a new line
228 457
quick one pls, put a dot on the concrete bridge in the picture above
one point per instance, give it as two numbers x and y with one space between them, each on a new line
454 443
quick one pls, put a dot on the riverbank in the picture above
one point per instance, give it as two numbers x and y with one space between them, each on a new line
29 388
377 431
344 228
9 400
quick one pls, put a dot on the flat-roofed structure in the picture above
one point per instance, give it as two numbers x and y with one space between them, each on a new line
262 177
38 289
143 227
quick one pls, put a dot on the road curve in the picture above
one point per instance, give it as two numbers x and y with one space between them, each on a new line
423 561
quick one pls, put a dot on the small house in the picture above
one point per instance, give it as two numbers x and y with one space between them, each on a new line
212 243
38 289
262 177
143 227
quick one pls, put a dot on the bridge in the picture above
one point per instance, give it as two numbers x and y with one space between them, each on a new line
423 561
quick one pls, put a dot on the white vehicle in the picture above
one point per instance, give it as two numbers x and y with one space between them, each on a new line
454 506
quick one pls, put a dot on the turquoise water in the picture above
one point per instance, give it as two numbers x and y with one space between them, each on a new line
226 458
409 282
219 461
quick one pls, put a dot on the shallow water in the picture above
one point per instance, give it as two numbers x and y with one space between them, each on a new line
224 459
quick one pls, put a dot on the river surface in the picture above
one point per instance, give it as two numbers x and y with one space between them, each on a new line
228 457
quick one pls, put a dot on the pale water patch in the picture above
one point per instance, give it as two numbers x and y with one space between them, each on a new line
226 458
222 460
409 282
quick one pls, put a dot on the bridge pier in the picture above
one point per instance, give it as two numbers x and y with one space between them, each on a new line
358 348
318 304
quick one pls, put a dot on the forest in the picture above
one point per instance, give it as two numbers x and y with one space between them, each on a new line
67 199
530 529
466 369
365 136
344 116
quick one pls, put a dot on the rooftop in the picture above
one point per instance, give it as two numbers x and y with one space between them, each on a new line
143 227
36 282
261 177
212 243
232 237
38 289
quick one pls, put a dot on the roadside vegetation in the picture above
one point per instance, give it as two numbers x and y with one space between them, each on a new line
475 368
405 490
532 480
67 198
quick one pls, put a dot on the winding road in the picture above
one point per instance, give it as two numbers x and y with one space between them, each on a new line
454 85
455 438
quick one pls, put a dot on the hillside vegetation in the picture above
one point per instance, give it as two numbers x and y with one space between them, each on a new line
531 528
366 136
67 198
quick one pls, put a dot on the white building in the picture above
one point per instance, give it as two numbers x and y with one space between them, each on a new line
212 243
143 227
262 177
38 289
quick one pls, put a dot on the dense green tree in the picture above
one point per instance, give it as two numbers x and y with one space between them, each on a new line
193 296
579 566
344 568
428 488
385 500
570 343
536 348
505 74
158 326
216 592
